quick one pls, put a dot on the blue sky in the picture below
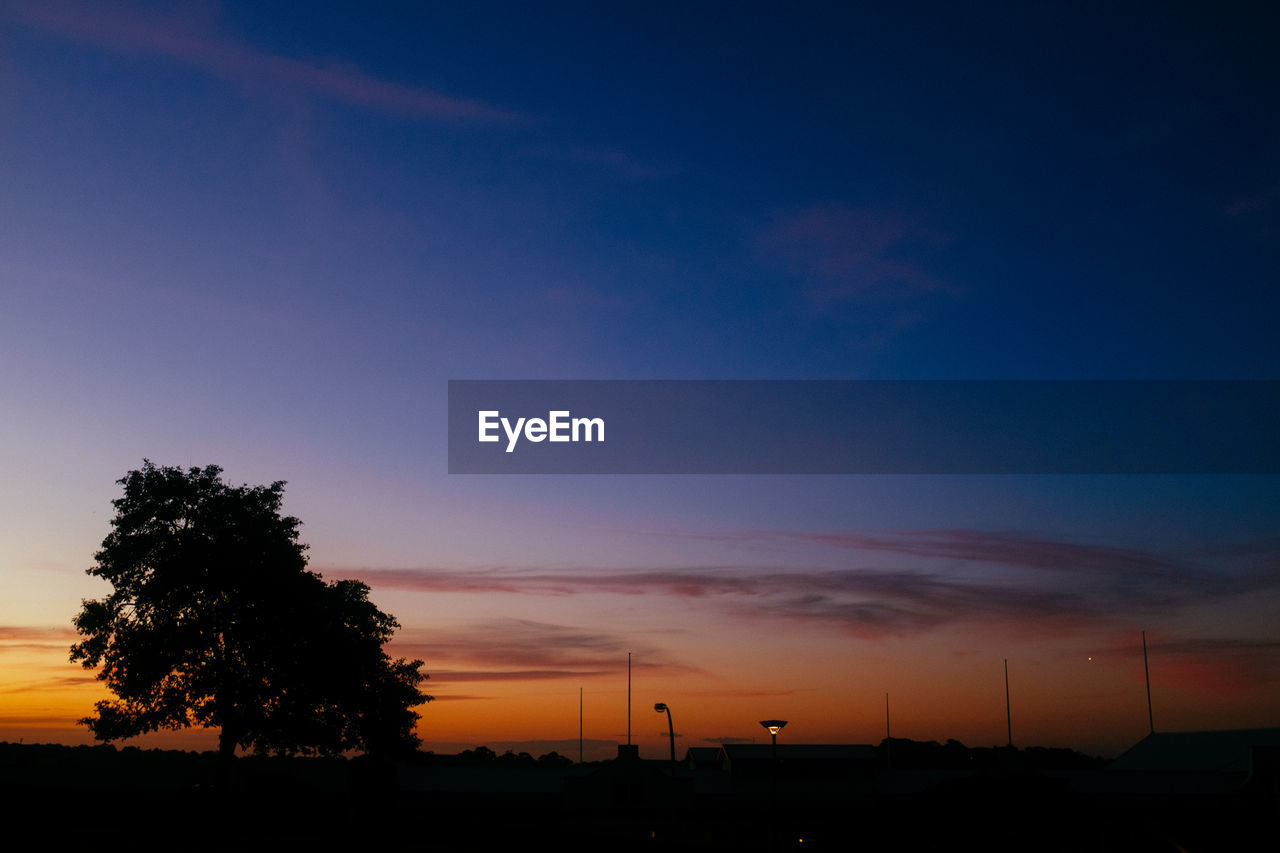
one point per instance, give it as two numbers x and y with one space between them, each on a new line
265 236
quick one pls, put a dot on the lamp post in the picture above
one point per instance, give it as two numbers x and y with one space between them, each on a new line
774 726
671 732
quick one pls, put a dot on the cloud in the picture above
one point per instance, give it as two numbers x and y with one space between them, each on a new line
54 683
1130 575
866 602
37 634
738 694
995 547
693 582
1223 667
1004 579
1218 666
1201 646
193 42
847 254
14 637
1257 215
523 650
48 720
444 676
611 160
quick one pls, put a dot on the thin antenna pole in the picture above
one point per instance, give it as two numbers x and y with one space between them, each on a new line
888 738
579 725
1008 714
628 698
1151 720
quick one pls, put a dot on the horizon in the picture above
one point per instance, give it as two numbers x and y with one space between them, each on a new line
267 239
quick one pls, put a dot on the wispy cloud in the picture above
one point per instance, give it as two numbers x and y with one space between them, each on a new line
1257 215
612 160
55 683
194 42
445 676
692 582
1197 646
997 547
1219 666
37 634
523 650
48 720
739 694
1128 573
865 602
14 637
967 576
852 255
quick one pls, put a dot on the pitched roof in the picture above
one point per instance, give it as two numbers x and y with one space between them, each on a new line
1224 751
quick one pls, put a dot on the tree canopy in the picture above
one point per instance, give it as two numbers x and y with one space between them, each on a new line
215 621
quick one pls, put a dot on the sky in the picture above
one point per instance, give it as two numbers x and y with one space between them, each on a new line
266 236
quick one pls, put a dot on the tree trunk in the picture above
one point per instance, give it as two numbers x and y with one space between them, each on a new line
226 755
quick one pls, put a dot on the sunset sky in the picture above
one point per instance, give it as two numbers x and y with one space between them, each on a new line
265 236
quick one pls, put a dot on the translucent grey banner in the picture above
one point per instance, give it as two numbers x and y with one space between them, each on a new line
863 427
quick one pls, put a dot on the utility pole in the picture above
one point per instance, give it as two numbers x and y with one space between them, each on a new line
1008 714
1151 721
888 737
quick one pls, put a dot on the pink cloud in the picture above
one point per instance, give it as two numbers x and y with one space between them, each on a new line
523 650
445 676
1217 666
37 634
1005 579
999 548
36 637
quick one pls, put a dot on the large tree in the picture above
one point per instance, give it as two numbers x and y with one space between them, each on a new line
214 620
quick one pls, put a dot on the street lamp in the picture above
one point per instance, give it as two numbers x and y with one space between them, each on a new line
774 726
671 732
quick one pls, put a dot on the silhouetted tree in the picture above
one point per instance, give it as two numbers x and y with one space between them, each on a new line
554 759
215 621
479 755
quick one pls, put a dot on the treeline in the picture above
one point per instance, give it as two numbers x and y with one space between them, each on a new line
129 767
483 756
132 768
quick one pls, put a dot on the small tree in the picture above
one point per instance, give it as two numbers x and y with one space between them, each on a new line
215 621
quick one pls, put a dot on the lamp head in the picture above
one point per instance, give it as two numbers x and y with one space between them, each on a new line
660 707
774 726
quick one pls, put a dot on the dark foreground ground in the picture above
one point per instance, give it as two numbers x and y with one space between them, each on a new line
103 799
417 822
